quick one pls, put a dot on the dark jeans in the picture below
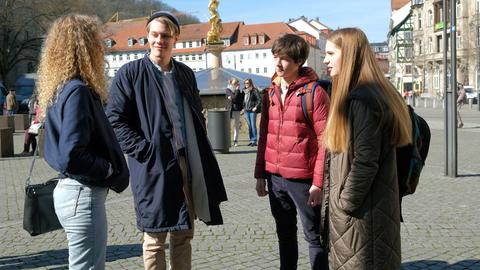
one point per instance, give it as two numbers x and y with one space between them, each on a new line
287 197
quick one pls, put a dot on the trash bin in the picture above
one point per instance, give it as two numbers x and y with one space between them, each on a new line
218 130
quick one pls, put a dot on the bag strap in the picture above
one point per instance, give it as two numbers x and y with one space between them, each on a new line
307 102
35 153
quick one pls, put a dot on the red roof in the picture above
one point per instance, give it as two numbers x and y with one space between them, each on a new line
271 30
121 31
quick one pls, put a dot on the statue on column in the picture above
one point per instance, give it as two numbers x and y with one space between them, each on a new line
216 27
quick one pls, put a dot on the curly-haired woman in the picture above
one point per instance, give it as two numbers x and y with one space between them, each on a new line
79 142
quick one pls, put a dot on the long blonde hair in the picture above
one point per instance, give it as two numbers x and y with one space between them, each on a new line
359 67
73 47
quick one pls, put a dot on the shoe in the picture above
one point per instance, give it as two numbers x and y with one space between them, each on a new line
253 144
460 125
235 144
250 144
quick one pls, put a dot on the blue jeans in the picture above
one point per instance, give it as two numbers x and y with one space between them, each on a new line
287 197
251 118
81 211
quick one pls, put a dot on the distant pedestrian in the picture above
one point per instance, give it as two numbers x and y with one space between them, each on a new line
156 111
251 106
368 120
462 97
236 97
11 102
290 157
79 141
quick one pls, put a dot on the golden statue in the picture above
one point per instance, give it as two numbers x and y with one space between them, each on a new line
216 27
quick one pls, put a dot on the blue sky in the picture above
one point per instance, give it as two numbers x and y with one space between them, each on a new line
372 16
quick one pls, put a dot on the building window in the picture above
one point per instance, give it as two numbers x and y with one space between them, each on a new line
114 57
408 52
246 40
408 69
429 46
408 36
187 57
459 42
477 6
131 41
190 44
256 55
257 70
200 57
436 78
265 54
120 57
459 9
420 21
194 56
478 36
184 44
254 40
430 18
128 57
142 41
249 70
198 43
420 45
261 39
242 70
265 70
109 43
180 58
241 56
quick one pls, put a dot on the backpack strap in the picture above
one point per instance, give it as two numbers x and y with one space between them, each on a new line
307 101
271 93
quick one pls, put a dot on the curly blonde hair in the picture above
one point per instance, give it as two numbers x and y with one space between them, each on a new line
73 48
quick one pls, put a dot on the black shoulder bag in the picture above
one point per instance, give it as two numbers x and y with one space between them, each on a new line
39 213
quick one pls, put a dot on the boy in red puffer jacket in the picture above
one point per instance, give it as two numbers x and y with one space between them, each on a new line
290 157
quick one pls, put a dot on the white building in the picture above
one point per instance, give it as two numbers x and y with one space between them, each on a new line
247 47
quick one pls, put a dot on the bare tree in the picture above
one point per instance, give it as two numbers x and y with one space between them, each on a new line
23 23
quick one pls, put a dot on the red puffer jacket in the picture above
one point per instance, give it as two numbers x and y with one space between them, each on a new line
287 145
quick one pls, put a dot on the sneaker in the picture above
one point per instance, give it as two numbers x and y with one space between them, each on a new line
250 144
253 144
235 144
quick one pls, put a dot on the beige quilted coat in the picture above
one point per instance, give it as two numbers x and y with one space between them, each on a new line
364 215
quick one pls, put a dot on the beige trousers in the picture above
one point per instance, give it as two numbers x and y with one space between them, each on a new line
180 247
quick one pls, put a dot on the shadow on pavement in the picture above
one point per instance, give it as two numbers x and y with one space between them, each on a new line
468 175
58 259
473 264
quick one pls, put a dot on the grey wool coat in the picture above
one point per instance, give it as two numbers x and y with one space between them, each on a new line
364 213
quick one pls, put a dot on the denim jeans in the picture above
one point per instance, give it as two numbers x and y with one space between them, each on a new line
236 125
251 118
287 197
81 211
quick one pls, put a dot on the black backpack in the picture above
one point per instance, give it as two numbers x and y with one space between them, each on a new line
411 158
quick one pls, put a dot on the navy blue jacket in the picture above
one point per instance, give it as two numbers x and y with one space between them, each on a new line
79 140
138 114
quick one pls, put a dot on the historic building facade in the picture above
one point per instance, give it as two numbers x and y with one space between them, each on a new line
425 24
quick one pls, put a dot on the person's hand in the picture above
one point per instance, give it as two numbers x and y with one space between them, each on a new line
261 187
254 109
315 197
229 97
